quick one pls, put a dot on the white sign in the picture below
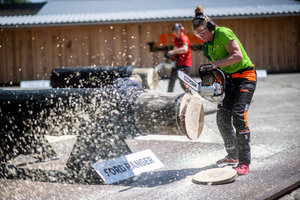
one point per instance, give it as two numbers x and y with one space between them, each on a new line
123 167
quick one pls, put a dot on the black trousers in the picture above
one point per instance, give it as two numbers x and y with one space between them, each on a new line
174 76
232 118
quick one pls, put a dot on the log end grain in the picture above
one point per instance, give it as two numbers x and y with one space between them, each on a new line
170 114
192 118
215 176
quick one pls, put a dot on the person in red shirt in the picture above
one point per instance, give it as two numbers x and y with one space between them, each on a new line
182 52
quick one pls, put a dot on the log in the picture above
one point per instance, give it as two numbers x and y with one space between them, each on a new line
87 77
169 113
20 108
151 112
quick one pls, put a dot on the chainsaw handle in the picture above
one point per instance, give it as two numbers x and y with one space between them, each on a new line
206 67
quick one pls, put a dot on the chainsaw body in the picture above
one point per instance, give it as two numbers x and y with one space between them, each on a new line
169 62
212 85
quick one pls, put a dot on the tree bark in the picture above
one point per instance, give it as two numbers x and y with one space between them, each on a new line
88 77
93 77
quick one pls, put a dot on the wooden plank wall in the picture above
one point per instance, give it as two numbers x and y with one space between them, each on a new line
31 53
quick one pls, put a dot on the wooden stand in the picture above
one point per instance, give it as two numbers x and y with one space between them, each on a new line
149 77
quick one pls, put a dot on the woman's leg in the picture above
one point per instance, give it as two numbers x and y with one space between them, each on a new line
239 112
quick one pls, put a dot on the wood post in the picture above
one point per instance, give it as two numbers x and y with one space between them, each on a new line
149 77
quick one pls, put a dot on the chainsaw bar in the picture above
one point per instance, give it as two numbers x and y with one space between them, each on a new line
189 81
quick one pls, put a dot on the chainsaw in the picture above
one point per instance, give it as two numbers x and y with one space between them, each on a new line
169 62
212 85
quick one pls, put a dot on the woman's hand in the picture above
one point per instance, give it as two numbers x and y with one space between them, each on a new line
213 65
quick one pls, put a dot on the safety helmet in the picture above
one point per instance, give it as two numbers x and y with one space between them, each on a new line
178 26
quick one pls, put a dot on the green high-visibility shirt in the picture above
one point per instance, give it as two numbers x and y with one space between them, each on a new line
216 50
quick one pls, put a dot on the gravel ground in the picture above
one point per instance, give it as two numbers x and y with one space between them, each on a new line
275 134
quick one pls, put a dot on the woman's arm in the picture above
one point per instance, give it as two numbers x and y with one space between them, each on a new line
235 55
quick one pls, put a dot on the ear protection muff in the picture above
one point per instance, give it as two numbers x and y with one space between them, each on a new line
199 18
178 26
210 25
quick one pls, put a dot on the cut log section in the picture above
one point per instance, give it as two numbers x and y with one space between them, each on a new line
169 113
149 77
193 119
215 176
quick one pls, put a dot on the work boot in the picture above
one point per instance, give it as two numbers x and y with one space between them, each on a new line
227 161
242 169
